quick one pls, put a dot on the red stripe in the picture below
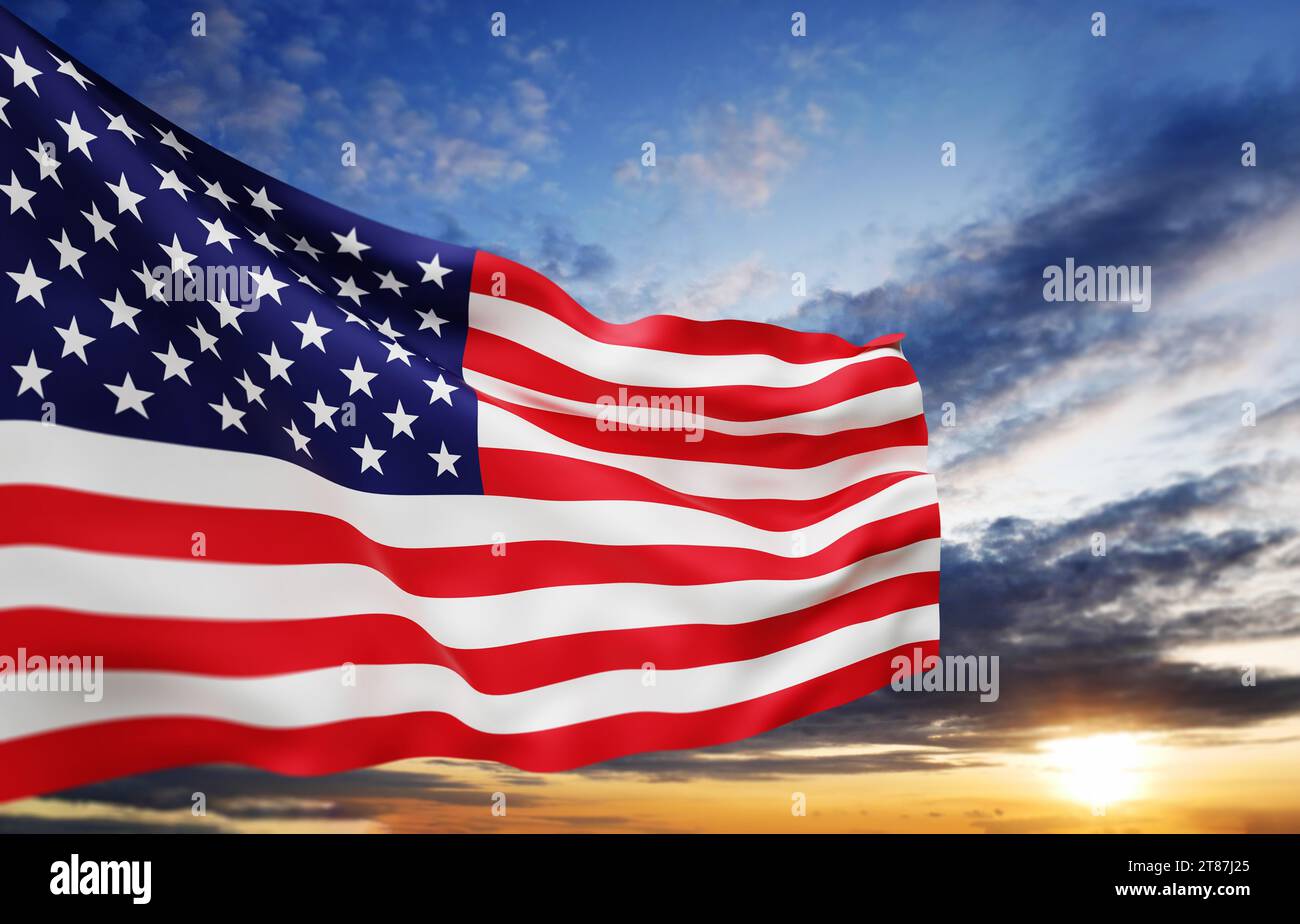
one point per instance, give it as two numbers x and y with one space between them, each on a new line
512 362
58 760
661 332
544 476
259 648
38 515
770 450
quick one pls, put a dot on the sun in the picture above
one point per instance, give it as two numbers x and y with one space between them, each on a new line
1099 770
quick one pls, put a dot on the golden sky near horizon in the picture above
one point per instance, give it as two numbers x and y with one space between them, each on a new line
1126 782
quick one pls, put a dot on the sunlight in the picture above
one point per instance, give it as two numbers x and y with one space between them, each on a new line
1099 770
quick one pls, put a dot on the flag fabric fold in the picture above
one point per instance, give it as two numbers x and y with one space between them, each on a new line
318 493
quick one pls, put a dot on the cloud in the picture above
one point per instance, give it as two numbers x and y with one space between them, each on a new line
255 86
727 291
301 52
736 158
238 797
564 258
973 307
524 117
542 58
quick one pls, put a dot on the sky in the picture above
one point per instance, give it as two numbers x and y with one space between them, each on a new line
1121 675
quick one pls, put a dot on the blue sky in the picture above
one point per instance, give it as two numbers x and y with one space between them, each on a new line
776 154
821 155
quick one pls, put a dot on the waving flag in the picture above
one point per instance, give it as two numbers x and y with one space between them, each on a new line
321 493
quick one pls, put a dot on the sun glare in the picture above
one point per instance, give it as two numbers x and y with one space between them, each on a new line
1099 770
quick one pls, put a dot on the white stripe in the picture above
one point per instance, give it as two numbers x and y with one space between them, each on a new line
317 697
875 409
500 429
66 457
551 337
32 576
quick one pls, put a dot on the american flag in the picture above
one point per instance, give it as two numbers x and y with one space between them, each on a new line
323 493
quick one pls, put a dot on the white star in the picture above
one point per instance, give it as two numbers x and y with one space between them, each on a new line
446 461
353 319
181 258
23 72
323 412
102 226
312 333
19 197
230 415
174 365
267 285
67 67
349 244
78 138
358 378
300 244
4 101
48 164
278 364
431 320
401 420
74 341
31 376
216 192
207 342
229 313
369 456
68 255
433 271
260 201
217 234
122 312
171 181
126 197
441 390
386 329
118 124
397 351
169 139
389 281
251 392
129 397
29 285
265 241
309 284
153 286
350 290
299 441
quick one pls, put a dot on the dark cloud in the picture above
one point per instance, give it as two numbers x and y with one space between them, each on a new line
34 824
566 259
559 255
246 794
1164 187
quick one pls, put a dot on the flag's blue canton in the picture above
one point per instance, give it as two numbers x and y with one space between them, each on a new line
401 341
